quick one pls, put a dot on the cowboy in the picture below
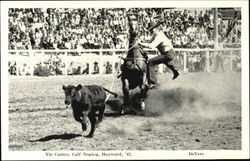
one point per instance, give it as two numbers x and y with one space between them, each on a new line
165 47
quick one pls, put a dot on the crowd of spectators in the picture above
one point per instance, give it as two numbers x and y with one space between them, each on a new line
107 28
91 28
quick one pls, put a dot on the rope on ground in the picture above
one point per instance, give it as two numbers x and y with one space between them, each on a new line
111 88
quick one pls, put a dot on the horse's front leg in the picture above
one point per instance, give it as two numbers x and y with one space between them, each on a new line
125 90
144 90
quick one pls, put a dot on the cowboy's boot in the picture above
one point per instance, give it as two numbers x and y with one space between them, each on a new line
174 70
176 74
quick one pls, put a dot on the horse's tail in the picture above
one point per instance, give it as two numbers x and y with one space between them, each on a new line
110 92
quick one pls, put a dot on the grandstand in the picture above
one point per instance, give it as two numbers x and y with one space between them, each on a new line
65 40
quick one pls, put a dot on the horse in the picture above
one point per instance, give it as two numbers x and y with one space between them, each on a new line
134 74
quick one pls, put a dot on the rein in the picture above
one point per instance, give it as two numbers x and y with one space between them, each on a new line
132 59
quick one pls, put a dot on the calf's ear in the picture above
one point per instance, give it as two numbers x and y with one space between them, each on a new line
79 87
63 87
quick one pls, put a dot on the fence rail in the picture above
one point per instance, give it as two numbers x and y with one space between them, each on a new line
122 50
187 60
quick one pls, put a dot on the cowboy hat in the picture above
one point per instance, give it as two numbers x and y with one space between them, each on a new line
152 25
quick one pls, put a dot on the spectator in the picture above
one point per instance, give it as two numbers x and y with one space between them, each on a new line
96 68
12 68
86 70
108 68
25 70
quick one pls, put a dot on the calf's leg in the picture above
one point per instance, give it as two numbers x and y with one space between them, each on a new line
84 120
78 117
92 119
101 113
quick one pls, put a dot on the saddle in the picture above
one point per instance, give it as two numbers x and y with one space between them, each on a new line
130 63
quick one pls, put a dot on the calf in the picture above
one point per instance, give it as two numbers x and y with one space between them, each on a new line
85 102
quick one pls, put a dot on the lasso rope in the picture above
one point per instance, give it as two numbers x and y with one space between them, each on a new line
112 84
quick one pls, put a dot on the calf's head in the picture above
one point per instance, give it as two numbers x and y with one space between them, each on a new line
72 93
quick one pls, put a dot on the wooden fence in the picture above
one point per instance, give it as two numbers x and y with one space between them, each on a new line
207 59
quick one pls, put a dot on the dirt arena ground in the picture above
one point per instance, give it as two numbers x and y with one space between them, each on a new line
198 111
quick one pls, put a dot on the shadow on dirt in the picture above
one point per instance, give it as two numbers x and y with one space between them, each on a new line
56 137
112 114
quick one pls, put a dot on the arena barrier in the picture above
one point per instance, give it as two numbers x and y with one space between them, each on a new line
24 62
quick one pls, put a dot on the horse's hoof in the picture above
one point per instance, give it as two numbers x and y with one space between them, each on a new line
122 112
143 106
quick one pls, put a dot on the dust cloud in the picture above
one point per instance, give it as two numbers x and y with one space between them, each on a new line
181 104
191 99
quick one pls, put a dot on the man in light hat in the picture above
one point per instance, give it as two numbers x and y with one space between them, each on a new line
165 47
96 68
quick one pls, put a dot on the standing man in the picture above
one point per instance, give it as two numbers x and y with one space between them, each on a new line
165 47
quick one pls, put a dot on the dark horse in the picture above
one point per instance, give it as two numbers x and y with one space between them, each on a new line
134 70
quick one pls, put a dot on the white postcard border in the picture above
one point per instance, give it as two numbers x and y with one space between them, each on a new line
207 154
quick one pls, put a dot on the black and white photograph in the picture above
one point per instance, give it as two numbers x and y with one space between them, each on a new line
126 80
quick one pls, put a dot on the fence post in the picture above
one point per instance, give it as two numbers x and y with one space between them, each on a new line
32 53
231 61
113 61
18 66
207 62
66 62
90 61
101 62
184 61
